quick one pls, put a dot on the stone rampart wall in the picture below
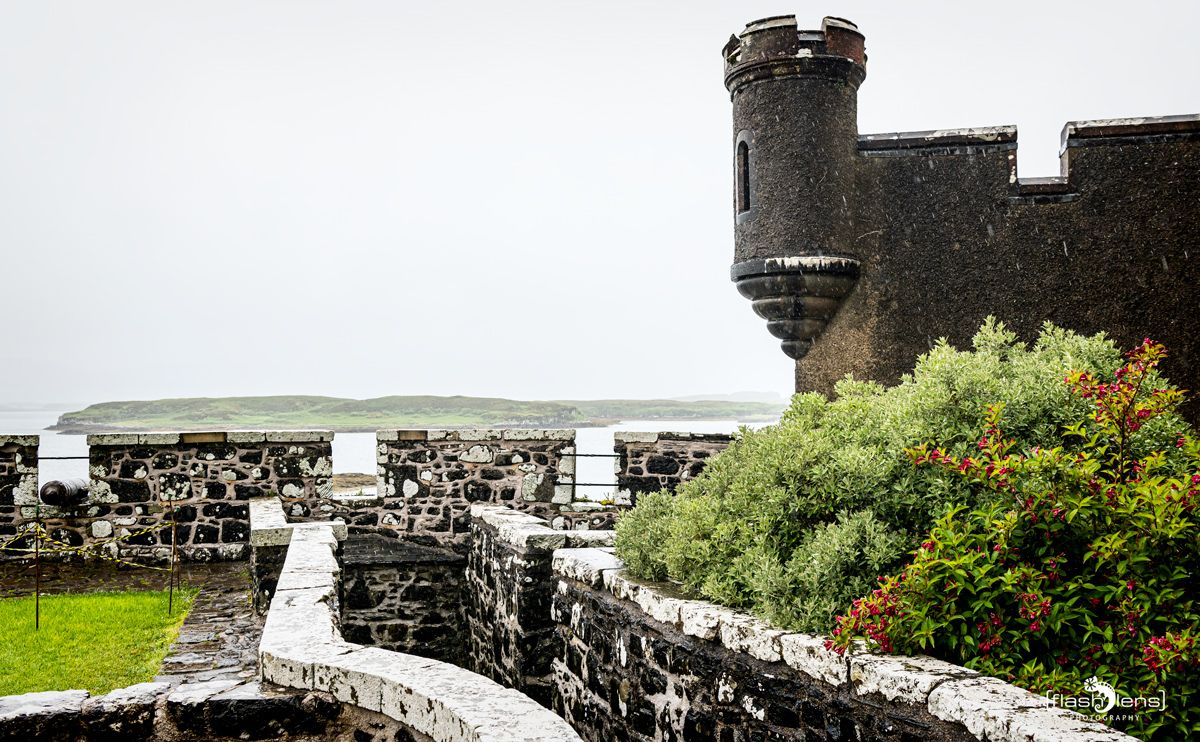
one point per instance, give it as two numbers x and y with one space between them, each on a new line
632 661
429 478
140 482
302 647
650 462
507 594
403 597
637 663
18 480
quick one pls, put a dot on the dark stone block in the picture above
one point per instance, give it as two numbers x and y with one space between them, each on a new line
129 490
662 465
235 531
142 538
491 474
181 530
184 513
253 456
206 534
217 452
164 460
131 469
247 491
177 486
477 492
226 510
67 536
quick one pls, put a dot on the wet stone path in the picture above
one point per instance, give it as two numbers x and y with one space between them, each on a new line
219 638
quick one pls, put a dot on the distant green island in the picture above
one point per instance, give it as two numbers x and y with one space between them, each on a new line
364 415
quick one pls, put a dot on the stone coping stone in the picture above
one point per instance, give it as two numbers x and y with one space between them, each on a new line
46 703
988 707
269 525
302 647
532 533
477 434
19 440
181 437
373 548
641 436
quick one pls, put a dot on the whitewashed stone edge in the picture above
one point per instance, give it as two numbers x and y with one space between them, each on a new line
302 647
533 533
479 434
270 527
988 707
171 438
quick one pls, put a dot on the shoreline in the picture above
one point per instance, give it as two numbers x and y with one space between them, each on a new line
77 429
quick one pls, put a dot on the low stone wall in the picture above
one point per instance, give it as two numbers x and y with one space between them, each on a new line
403 597
18 480
270 534
650 462
636 663
302 647
429 478
140 481
509 583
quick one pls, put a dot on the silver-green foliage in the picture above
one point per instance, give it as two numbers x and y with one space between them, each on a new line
795 520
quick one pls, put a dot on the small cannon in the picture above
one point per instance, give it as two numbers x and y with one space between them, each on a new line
65 493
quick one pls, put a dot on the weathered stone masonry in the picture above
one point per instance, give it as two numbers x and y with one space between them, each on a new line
650 462
507 593
18 480
430 478
137 479
861 250
630 661
403 597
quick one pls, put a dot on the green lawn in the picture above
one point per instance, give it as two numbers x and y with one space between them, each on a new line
95 641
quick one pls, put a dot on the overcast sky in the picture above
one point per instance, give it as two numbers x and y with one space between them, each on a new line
524 199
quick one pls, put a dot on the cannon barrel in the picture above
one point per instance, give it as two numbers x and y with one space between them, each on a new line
65 493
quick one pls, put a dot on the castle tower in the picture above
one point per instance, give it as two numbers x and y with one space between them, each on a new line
795 130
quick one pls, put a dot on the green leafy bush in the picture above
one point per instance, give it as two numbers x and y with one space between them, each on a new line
795 520
1080 571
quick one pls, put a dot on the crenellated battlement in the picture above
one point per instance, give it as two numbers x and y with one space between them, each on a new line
936 230
776 47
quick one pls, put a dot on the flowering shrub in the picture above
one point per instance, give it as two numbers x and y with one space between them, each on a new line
1082 565
795 520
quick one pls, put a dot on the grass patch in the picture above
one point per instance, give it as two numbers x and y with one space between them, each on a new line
95 641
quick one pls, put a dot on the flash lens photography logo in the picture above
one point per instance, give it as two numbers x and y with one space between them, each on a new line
1102 699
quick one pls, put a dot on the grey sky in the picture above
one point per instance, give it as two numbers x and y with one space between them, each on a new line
526 199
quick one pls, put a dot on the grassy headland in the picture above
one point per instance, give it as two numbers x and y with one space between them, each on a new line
354 415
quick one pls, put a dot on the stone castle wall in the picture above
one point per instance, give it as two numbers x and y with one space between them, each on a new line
429 478
403 597
18 480
507 592
620 659
650 462
862 250
140 482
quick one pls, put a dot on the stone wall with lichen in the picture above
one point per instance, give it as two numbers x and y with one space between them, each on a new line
507 591
402 597
142 482
650 462
18 480
428 479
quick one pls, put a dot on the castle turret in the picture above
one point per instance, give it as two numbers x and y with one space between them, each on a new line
795 106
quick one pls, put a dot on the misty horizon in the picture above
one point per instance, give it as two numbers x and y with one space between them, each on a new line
529 201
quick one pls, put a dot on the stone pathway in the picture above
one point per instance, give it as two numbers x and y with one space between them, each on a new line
219 638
